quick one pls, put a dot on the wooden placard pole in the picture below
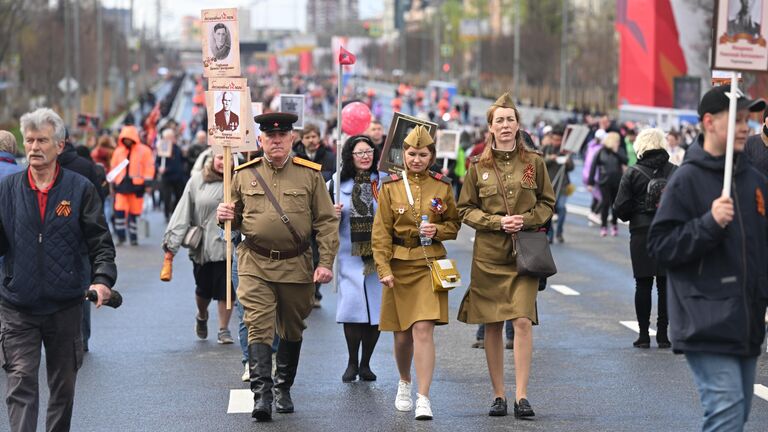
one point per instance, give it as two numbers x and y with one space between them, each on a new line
228 224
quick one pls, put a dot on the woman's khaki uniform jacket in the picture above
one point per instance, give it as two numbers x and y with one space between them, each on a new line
496 292
398 252
395 220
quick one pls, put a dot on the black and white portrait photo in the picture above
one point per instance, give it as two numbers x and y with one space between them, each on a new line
227 108
220 43
744 17
392 154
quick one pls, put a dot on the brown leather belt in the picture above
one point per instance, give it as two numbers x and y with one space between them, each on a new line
409 242
276 255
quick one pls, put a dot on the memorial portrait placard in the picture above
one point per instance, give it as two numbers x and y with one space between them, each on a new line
221 42
228 105
391 160
447 144
740 37
573 137
293 103
164 148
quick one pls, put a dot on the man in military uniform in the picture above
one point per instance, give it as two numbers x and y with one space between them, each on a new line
275 260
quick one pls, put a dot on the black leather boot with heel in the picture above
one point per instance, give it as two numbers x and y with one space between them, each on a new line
260 368
285 373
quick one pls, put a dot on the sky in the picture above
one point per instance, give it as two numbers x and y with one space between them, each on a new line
272 14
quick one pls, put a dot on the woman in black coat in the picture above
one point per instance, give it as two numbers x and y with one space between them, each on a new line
634 204
606 172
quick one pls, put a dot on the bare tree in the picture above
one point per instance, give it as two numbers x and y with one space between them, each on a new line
12 18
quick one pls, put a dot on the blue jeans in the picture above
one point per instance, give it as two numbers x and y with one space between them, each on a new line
242 330
725 386
508 330
561 212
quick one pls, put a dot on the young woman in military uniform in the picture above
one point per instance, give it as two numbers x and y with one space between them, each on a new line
496 292
409 307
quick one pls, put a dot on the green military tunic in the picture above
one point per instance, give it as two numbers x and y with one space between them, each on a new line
398 252
281 289
496 292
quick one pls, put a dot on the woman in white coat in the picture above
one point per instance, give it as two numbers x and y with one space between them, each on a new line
359 299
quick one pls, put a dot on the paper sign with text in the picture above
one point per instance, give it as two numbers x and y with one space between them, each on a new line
221 42
228 104
740 37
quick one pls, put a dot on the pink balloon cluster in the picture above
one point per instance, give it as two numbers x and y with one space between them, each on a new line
355 118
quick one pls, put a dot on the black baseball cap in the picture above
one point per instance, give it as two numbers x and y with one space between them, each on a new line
716 100
276 121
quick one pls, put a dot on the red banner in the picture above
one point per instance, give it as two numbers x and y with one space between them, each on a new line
650 55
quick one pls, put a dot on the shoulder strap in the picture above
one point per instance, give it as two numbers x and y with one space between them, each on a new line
276 205
501 185
247 164
639 168
307 163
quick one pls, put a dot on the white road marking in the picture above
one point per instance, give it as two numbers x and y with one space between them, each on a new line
577 209
584 211
761 391
240 401
565 290
632 325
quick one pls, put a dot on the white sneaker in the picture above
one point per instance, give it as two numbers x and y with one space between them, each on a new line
423 408
247 374
403 401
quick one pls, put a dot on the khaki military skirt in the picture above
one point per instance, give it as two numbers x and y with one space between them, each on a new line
412 298
497 293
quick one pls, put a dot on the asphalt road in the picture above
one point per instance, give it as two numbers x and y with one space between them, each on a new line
147 371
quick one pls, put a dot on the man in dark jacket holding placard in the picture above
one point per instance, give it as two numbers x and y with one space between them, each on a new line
715 249
49 217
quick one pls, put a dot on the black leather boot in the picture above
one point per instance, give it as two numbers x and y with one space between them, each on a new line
260 366
644 340
287 363
662 339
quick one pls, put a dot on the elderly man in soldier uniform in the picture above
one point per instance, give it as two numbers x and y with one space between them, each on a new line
278 201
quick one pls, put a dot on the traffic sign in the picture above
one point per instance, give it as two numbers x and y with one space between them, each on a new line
68 84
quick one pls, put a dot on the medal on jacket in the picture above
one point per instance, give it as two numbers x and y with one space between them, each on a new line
529 176
485 176
760 201
64 209
437 206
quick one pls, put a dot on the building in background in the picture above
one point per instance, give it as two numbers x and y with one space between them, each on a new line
325 17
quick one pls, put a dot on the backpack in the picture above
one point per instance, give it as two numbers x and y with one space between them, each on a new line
657 182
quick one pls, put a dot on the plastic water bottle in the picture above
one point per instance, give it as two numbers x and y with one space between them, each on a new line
425 241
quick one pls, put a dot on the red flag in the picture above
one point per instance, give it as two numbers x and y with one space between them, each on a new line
346 57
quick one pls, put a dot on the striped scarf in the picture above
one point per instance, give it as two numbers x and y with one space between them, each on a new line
361 220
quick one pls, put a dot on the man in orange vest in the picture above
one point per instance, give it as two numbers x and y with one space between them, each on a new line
130 182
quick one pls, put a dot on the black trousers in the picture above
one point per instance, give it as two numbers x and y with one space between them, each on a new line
170 192
21 338
643 300
609 192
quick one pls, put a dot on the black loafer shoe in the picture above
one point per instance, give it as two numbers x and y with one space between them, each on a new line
350 374
523 409
498 408
366 374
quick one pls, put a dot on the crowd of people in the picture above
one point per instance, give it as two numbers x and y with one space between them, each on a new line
386 233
